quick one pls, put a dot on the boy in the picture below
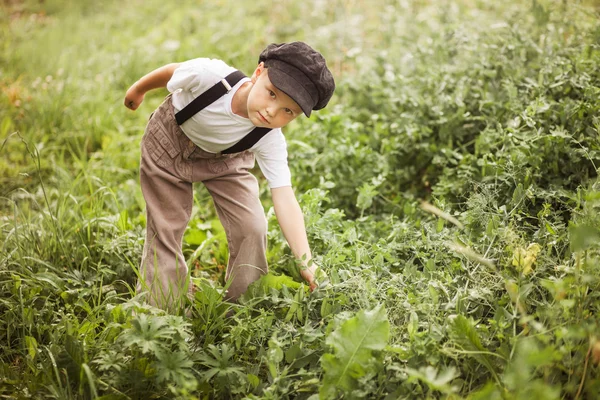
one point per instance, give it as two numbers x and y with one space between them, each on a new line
200 133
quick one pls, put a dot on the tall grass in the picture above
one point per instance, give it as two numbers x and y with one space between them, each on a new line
486 110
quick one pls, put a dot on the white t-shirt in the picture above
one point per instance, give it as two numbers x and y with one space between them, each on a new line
216 127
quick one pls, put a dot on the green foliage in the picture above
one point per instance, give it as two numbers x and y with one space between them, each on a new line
433 379
354 359
269 282
464 334
451 188
228 379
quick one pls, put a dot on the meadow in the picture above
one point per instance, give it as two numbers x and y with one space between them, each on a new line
450 193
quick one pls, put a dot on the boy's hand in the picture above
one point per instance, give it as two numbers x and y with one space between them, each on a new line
133 97
314 275
309 276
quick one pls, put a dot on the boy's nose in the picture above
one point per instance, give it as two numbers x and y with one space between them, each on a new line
271 111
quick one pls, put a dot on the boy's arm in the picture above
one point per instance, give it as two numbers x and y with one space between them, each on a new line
155 79
291 221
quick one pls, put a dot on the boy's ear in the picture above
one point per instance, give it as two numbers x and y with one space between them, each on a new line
259 70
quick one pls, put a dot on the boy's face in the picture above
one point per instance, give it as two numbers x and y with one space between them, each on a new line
268 106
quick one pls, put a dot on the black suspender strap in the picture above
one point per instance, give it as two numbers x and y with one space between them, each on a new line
247 141
209 97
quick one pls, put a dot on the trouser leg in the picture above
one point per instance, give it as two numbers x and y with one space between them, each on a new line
169 199
164 271
236 199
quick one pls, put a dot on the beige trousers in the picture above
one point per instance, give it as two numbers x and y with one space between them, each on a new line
170 164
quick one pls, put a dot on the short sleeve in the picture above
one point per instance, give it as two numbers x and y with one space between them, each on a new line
272 158
186 76
198 74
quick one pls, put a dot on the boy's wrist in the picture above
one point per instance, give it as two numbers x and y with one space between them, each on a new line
137 87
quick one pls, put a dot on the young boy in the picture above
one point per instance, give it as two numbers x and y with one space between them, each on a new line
200 133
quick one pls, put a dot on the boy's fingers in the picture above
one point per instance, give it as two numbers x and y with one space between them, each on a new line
130 103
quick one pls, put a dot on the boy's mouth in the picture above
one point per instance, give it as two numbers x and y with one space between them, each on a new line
266 121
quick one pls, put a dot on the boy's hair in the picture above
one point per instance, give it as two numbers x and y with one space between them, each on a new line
300 72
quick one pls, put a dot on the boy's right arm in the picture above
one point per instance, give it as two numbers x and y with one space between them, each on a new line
155 79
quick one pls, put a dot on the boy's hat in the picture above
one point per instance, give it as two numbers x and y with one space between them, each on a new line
300 72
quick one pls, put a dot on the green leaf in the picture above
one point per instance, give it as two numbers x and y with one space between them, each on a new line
434 380
253 380
583 236
173 366
195 237
353 345
262 287
520 375
550 229
518 195
152 334
464 334
413 325
32 346
366 193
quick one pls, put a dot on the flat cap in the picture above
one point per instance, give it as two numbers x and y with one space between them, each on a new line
300 72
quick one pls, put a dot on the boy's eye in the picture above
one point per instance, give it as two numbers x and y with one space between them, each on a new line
288 111
272 93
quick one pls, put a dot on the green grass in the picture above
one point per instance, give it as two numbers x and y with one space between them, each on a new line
484 110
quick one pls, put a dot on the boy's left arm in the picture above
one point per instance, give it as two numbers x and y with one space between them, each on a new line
291 220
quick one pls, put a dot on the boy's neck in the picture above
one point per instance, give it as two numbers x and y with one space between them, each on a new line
239 102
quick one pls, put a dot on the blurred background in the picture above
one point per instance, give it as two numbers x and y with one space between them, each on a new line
487 111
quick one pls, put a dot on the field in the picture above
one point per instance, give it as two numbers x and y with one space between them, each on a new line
450 192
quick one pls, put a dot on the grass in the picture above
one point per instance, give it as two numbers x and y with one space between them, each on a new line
487 111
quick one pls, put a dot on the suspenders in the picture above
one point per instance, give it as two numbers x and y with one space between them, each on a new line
209 97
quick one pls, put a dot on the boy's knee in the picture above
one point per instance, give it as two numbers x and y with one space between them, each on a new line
253 229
